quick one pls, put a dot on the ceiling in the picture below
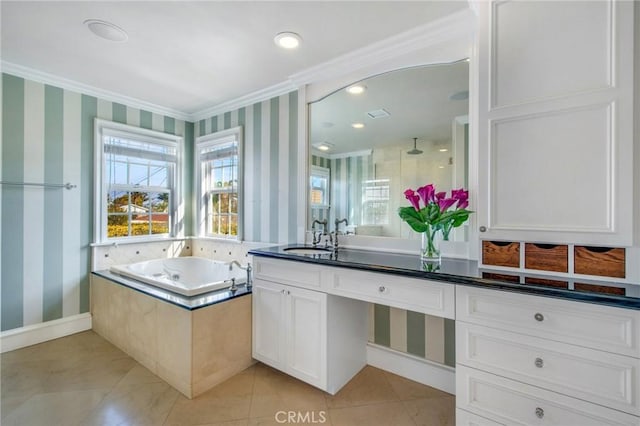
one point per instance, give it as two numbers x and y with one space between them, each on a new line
189 56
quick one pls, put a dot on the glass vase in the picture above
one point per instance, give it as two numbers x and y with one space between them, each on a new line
430 248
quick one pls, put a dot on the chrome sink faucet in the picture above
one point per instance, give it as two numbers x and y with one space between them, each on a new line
317 237
246 268
336 231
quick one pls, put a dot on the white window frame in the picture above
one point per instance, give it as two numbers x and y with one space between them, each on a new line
368 187
102 127
234 134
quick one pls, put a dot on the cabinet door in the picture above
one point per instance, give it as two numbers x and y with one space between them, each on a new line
268 323
306 319
555 121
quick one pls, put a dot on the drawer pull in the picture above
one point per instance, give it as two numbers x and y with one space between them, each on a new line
539 362
539 412
382 289
539 317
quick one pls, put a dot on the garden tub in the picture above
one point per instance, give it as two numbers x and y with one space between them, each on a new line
189 276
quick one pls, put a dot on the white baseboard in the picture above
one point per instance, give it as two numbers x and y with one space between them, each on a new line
38 333
412 367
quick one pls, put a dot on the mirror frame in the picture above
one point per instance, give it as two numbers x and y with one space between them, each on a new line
447 40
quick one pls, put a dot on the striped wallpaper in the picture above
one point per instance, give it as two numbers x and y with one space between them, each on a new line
271 166
47 136
347 176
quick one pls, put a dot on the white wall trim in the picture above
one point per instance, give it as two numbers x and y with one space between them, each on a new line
85 89
412 367
38 333
430 34
243 101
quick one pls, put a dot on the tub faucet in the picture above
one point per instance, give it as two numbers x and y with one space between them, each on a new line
246 268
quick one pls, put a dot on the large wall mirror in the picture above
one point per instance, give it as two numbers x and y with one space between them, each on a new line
401 129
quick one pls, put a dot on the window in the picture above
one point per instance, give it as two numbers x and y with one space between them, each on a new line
319 187
219 182
375 202
136 177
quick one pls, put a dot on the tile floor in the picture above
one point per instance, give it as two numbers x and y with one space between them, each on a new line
84 380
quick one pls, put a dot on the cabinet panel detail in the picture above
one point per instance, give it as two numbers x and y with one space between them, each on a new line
416 295
598 327
567 49
298 274
595 376
560 149
515 403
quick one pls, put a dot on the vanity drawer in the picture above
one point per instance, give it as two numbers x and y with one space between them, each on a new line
595 376
306 275
606 328
413 294
514 403
465 418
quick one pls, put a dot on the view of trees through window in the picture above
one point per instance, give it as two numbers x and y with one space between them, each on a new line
137 213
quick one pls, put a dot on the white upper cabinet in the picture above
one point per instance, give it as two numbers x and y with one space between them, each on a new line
555 121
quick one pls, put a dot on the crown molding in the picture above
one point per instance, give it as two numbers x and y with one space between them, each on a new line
456 25
243 101
85 89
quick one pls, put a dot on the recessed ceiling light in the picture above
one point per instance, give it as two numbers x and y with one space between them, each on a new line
357 125
287 40
324 146
443 150
356 89
106 30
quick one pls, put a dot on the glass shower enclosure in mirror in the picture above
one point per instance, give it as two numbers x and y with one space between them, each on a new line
372 140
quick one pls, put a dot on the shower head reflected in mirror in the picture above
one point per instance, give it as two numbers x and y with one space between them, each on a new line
414 151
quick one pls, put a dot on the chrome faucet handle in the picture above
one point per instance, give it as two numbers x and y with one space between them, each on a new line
233 287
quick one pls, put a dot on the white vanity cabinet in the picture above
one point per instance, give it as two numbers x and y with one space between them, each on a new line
555 121
525 359
315 337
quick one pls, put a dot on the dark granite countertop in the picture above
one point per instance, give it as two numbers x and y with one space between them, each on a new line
187 302
454 271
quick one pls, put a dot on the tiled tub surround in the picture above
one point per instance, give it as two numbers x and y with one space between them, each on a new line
192 343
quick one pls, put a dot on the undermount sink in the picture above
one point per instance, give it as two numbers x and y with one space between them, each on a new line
307 250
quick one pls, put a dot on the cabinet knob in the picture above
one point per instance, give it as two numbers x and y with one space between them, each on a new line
288 292
282 291
539 317
483 229
539 362
539 412
381 289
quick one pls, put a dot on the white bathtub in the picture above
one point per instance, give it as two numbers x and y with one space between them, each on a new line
188 276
